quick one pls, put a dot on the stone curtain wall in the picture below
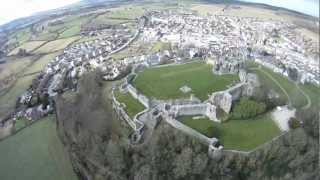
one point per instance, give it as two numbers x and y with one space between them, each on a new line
191 132
122 113
205 109
140 97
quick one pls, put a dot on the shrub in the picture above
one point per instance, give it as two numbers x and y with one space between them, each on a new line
294 123
213 131
247 108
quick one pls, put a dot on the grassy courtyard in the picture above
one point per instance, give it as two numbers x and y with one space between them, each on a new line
242 135
133 106
165 82
35 153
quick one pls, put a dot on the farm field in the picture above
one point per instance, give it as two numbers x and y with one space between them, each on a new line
126 12
105 19
133 106
35 153
20 36
208 9
40 64
237 134
14 66
56 45
165 82
7 101
28 46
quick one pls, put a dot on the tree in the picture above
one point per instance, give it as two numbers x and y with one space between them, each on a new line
183 163
247 108
1 54
310 120
294 123
22 52
293 74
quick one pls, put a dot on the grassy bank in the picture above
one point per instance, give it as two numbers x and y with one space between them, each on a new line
35 153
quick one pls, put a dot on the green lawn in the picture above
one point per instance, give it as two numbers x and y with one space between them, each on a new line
133 106
313 92
20 123
297 98
35 153
204 125
242 135
164 82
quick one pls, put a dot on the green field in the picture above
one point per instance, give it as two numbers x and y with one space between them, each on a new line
40 64
242 135
28 46
56 45
294 94
35 153
164 82
21 36
126 12
8 100
133 106
14 66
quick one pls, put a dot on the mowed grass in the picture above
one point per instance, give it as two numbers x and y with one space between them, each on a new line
35 153
133 106
203 125
244 135
165 82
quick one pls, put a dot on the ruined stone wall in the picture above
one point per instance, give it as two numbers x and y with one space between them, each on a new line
236 91
190 109
224 99
205 109
122 113
191 132
140 97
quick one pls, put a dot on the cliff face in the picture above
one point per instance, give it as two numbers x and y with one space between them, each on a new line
99 147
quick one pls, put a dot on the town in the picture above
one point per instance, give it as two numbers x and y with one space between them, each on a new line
224 41
203 83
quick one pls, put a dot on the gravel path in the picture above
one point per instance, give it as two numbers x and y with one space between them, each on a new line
281 116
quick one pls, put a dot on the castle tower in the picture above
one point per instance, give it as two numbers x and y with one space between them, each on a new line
215 149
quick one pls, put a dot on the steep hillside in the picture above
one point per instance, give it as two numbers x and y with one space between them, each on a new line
99 147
